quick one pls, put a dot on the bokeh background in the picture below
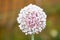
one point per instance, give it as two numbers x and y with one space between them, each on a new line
9 10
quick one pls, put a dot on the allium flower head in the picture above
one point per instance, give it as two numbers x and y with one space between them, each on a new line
31 19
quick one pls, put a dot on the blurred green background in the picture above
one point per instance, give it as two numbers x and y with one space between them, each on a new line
9 10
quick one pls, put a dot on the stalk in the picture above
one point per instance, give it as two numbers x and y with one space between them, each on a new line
32 37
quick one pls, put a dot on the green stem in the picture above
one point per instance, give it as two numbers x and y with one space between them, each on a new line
32 37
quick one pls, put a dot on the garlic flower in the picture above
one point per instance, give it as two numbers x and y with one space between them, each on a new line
32 19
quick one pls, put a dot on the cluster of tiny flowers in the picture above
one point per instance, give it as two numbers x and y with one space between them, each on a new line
31 19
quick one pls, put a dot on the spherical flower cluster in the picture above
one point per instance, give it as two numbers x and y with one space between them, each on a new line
31 19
